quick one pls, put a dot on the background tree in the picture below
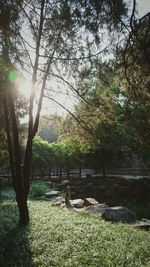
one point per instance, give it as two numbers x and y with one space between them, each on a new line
103 123
135 58
49 128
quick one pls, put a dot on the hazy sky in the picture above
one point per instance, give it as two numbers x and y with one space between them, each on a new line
143 6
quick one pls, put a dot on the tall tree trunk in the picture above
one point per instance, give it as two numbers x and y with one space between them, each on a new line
23 208
22 182
14 156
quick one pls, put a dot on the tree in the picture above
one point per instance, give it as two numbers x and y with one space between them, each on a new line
3 142
135 59
42 154
102 126
56 41
49 128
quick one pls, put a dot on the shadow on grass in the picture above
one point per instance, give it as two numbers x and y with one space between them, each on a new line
14 240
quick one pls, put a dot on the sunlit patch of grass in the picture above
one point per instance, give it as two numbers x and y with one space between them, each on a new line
58 238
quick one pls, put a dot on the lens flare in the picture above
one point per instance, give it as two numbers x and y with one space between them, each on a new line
24 86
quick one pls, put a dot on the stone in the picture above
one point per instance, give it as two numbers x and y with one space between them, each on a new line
90 201
142 225
99 208
57 201
146 220
77 203
119 214
52 194
65 182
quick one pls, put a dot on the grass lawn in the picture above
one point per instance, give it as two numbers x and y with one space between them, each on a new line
58 238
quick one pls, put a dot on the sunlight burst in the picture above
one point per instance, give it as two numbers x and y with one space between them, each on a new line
24 87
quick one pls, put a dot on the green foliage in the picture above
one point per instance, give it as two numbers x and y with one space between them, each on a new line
59 238
69 151
41 151
38 189
49 128
103 132
114 122
136 60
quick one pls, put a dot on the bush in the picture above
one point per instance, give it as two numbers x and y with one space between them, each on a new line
38 189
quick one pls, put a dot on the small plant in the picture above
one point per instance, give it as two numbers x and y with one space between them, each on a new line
38 189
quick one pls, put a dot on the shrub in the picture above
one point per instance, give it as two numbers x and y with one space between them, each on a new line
38 189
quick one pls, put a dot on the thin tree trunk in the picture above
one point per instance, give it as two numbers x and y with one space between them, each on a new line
80 169
57 166
68 172
67 197
9 143
27 167
60 168
49 172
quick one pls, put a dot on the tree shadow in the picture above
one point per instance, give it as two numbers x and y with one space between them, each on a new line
14 240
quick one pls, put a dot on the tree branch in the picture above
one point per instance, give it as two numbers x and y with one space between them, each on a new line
79 58
83 127
36 123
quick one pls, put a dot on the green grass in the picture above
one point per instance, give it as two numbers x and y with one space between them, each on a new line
57 238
